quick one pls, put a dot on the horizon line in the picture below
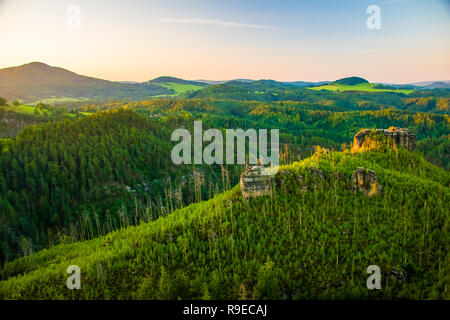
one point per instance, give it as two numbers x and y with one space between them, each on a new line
201 79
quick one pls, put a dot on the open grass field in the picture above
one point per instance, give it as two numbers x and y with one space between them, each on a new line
23 109
59 99
32 110
180 88
367 87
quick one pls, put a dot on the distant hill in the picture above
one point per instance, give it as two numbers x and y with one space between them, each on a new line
35 81
438 85
225 90
359 84
260 85
306 83
350 81
211 82
426 83
265 84
271 90
263 90
291 83
423 85
176 85
166 79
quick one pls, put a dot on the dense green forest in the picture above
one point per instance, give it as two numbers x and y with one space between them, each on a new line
287 245
304 125
436 100
72 176
75 174
75 178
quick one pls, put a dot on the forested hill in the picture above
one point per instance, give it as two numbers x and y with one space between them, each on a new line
79 178
166 79
350 81
290 244
51 175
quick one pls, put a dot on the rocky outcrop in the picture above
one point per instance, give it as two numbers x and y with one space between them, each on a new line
398 136
365 180
254 183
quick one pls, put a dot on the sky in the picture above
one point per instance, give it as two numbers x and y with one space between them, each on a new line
285 40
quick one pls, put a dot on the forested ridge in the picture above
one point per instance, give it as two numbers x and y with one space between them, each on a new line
78 178
287 245
59 176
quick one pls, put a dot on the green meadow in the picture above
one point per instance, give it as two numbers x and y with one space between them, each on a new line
54 100
22 109
180 88
366 87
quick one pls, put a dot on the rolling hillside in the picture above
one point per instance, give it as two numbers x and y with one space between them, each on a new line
37 81
176 85
358 84
291 244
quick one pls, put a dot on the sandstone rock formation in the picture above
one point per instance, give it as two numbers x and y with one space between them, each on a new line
254 183
399 136
365 180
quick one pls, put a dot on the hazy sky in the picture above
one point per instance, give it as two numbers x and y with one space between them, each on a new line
207 39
